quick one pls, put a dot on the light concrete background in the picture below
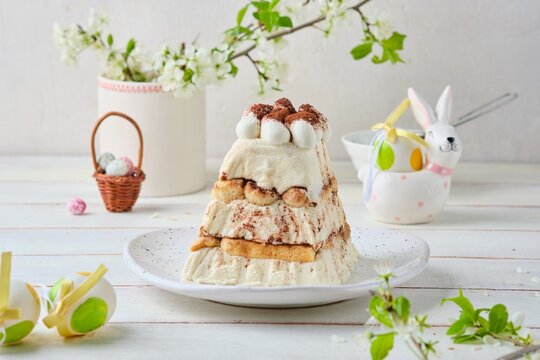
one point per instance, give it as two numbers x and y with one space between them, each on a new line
483 48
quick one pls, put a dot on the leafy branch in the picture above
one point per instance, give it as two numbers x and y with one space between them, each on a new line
393 312
261 26
473 328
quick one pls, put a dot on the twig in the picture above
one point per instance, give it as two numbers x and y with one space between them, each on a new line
281 33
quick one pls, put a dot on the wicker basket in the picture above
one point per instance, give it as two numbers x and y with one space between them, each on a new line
119 193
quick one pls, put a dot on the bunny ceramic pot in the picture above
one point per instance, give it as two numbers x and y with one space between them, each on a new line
418 197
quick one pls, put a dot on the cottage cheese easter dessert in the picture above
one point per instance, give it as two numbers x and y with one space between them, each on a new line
275 217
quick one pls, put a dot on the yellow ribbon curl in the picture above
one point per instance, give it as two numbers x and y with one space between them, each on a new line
5 274
69 296
393 133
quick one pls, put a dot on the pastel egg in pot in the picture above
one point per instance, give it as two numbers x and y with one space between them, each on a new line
24 297
82 315
117 167
403 155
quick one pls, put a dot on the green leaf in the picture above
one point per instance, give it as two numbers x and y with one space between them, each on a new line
234 69
110 40
465 304
467 339
381 346
268 18
241 14
285 21
394 42
130 46
261 5
498 318
377 308
362 50
273 4
402 307
458 327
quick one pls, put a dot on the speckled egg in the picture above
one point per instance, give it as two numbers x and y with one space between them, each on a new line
22 296
88 314
117 168
76 206
129 163
105 159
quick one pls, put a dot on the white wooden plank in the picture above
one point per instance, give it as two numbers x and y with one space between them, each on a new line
59 193
177 308
483 244
440 273
56 216
225 341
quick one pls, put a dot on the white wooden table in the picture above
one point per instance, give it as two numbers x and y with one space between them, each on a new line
490 228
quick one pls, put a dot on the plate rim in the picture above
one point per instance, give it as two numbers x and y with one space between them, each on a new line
169 285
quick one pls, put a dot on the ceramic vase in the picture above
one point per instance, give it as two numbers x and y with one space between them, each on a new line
173 129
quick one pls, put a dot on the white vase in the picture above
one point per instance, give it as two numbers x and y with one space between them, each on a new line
173 129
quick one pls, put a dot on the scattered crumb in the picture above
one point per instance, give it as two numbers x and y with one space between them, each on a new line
535 279
172 218
477 348
187 213
520 270
154 215
338 339
451 348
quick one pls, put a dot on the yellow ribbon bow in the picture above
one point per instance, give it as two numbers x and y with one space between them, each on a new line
69 296
5 274
393 133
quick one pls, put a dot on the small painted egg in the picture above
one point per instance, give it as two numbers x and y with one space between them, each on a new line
91 312
77 206
22 296
104 160
129 163
117 168
403 155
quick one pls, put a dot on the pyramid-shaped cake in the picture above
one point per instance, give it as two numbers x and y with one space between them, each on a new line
275 217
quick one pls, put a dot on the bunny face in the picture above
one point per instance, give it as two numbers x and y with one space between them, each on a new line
444 146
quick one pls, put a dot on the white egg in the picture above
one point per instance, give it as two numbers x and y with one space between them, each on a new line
105 159
117 167
91 312
22 296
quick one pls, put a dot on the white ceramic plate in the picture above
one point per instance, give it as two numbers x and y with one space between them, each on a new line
158 258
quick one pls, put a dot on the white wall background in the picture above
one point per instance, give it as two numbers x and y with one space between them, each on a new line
483 48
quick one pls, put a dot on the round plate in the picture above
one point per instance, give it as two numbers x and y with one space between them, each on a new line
158 258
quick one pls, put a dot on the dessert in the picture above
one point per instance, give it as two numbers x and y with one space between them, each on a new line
275 217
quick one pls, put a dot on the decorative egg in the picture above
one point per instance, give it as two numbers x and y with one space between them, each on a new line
87 314
77 206
129 163
117 168
24 297
104 160
403 155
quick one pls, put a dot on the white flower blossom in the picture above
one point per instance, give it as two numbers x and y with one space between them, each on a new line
382 25
490 340
518 318
383 268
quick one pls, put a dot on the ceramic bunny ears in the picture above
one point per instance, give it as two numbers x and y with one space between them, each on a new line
424 113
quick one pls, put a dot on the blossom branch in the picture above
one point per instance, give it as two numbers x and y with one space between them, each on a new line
292 30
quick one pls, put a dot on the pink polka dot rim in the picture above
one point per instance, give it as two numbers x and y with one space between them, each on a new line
76 206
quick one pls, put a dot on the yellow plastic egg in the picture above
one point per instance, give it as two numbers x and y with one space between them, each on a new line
81 303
